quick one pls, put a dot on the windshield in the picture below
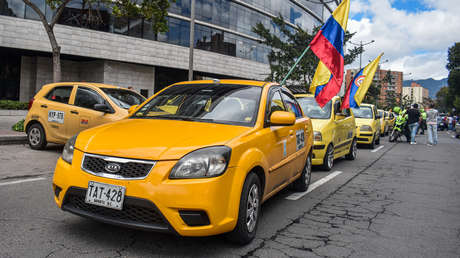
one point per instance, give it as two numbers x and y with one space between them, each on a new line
123 98
311 108
228 104
362 112
381 114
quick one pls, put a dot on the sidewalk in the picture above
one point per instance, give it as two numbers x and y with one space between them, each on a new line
7 135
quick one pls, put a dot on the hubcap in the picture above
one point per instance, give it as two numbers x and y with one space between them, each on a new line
34 136
330 157
355 149
252 208
308 170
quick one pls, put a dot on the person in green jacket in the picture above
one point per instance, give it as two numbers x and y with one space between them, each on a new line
423 122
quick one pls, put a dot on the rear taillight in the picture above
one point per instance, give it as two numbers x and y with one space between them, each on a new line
31 101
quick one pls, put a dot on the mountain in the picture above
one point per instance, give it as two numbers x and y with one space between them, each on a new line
431 84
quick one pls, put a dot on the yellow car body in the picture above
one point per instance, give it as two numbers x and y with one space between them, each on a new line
367 124
276 153
383 122
334 131
391 118
60 110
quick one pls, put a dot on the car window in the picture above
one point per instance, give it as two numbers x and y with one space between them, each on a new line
87 98
228 104
362 112
291 104
311 108
60 94
381 114
276 103
123 98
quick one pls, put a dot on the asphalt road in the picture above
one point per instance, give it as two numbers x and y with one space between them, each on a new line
399 200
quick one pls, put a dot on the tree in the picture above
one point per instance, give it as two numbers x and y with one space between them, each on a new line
373 93
154 10
444 99
289 47
452 98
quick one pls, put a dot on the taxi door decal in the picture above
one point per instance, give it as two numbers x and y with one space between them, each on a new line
300 139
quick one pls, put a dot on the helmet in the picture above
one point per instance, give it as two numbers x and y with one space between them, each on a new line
396 110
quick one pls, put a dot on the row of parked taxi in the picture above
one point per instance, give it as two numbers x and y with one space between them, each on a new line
198 158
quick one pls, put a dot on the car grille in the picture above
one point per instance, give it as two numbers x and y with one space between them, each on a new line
362 139
134 210
129 168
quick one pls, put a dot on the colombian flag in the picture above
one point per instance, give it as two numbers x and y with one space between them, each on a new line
360 84
328 47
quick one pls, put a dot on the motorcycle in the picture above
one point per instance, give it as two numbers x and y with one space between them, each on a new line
398 129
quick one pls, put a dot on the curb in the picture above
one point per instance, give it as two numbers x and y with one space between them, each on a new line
5 112
13 139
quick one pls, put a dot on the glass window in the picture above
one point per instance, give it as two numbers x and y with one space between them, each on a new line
13 8
363 112
123 98
311 108
276 103
31 14
87 98
291 104
227 104
60 94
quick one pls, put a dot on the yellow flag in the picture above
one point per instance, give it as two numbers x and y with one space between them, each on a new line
368 74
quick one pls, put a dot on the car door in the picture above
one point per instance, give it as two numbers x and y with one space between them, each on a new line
338 134
277 142
296 140
55 111
83 115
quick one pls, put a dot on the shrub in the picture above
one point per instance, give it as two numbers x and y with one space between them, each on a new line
19 126
14 105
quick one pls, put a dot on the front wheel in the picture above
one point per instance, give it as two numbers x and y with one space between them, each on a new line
328 161
36 137
372 144
301 184
377 142
353 151
393 136
248 214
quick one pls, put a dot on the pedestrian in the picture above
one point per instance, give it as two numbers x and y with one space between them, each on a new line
423 121
432 125
413 121
450 120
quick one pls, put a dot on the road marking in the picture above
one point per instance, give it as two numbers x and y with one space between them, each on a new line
296 196
22 181
379 148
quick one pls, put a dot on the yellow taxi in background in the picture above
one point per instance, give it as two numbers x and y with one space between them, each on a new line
60 110
383 122
200 168
391 118
334 131
367 125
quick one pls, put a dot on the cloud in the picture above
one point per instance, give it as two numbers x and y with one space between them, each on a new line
414 42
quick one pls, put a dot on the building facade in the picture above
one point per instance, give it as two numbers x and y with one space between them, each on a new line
126 52
391 83
415 93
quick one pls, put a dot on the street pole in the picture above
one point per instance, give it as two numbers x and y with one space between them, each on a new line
295 65
192 40
361 48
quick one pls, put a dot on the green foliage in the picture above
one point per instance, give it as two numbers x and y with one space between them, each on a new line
285 51
449 97
13 105
19 126
373 94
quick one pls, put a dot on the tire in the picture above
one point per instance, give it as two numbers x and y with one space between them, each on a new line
372 144
301 184
36 137
393 136
245 230
353 150
377 142
328 161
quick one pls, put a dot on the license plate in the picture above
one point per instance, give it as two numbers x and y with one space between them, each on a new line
105 195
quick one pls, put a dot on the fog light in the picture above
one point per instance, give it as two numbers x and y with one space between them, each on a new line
194 218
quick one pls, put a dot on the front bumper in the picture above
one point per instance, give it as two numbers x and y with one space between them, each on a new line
364 137
160 201
319 150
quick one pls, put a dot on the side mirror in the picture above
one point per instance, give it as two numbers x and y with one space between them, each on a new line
102 108
282 118
132 108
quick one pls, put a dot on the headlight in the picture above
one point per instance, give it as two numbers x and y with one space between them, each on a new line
365 128
206 162
67 153
317 136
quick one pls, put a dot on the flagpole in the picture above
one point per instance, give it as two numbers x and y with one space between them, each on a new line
294 66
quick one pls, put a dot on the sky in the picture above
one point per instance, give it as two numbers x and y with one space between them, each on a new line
414 34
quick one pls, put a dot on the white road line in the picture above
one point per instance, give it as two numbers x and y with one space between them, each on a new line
22 181
296 196
379 148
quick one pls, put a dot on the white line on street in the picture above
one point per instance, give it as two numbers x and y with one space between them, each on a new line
22 181
296 196
379 148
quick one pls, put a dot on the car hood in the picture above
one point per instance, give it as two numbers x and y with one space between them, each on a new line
155 139
363 121
319 124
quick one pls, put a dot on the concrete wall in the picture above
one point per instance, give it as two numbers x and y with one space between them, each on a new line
130 75
29 34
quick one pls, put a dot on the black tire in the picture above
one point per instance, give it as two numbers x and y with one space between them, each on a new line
301 184
243 233
328 160
36 137
393 136
372 144
353 150
377 141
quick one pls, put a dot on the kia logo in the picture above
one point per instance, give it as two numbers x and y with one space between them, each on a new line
112 167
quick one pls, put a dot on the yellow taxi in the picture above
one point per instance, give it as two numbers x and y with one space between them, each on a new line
367 125
334 131
60 110
391 118
383 122
197 159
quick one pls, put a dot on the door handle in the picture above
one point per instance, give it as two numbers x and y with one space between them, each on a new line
74 112
44 106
